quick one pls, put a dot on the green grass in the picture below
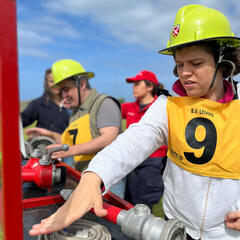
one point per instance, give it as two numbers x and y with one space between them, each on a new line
157 209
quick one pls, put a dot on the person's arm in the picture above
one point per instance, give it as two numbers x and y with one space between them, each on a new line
108 124
87 195
232 220
108 134
33 132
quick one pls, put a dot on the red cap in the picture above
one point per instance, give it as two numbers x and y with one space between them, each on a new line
144 75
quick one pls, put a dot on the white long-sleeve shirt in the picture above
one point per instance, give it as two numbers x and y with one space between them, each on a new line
200 202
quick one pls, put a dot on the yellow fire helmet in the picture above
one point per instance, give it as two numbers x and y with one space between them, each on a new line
67 68
194 23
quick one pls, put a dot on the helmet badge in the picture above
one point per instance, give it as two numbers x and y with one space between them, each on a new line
175 30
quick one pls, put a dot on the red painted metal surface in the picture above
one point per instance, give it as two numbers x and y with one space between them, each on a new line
11 204
76 176
42 201
112 212
41 175
117 201
112 202
112 215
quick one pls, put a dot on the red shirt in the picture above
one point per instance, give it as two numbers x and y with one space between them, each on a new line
132 113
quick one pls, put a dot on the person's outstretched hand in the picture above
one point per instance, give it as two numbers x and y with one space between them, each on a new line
36 131
232 220
87 195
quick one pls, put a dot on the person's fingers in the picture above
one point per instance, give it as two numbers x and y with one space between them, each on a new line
80 201
232 220
34 232
36 226
44 227
233 225
232 216
33 132
53 146
100 212
32 129
29 131
64 216
98 208
57 155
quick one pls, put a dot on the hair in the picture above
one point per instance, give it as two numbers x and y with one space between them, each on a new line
46 86
213 47
47 90
157 89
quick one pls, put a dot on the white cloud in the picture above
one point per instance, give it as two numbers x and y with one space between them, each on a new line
28 36
145 23
30 43
139 22
40 31
136 22
34 52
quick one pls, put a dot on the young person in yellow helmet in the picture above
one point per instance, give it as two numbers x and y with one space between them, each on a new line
95 120
201 129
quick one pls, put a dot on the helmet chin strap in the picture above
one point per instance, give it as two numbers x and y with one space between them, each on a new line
217 68
231 75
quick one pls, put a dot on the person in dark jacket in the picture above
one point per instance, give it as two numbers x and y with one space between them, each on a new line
144 184
48 109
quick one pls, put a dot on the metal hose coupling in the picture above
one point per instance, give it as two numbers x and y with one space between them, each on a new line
138 223
80 230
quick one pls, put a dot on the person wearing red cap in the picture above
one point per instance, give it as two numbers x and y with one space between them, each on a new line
144 184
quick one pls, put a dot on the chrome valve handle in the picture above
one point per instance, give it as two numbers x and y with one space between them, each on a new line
46 158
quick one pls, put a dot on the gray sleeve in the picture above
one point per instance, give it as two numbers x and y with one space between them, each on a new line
109 114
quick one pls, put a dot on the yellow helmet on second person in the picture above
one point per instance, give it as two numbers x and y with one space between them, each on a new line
194 23
67 68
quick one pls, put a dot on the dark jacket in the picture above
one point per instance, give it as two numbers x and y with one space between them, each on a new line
47 114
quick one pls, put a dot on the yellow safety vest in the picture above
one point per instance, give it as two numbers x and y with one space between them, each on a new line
204 136
79 132
83 123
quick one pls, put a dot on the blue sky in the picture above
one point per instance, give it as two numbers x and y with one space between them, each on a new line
113 38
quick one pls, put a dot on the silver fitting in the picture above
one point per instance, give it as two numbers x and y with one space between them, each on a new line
36 153
46 158
65 193
139 223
